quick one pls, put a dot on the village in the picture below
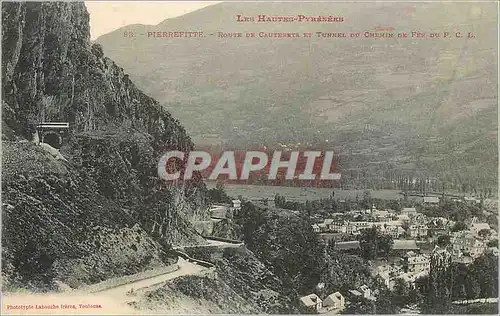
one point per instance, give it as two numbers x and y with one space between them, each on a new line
415 238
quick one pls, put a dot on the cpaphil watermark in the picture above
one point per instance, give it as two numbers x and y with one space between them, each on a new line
238 166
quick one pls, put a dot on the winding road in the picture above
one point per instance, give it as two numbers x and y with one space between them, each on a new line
213 243
121 292
110 299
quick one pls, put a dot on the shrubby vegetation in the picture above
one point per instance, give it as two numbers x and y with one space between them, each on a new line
343 271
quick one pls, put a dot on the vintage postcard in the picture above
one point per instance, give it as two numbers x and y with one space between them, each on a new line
249 157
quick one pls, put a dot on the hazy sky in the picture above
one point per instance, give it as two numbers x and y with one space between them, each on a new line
107 16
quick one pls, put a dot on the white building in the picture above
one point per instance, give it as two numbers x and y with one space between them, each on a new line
410 211
367 292
416 263
381 214
312 301
339 226
322 227
236 205
431 200
328 221
334 301
316 228
388 273
355 228
468 243
418 231
394 231
477 227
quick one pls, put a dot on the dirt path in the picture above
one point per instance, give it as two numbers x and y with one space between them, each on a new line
110 301
213 243
120 292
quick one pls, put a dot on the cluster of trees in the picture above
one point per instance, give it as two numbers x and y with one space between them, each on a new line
374 244
310 207
456 211
459 226
281 202
287 244
435 293
388 177
328 205
456 281
218 195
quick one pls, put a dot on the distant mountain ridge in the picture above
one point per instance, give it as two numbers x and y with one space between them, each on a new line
412 107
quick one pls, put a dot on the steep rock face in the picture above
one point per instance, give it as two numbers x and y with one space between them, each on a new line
104 212
226 229
53 72
122 166
56 226
244 272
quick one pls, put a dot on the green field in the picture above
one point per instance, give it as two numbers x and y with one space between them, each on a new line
257 192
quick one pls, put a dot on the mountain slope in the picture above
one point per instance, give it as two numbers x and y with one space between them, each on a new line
103 212
416 102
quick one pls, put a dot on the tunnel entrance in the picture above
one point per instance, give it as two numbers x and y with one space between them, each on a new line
53 133
53 139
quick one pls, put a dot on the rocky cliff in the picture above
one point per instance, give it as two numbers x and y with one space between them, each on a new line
103 212
53 72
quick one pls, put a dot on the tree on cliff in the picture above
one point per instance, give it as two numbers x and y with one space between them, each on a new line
250 218
290 246
218 195
286 243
